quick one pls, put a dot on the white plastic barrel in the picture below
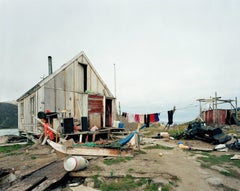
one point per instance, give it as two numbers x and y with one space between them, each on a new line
74 163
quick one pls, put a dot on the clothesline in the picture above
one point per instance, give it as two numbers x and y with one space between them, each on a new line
152 117
141 118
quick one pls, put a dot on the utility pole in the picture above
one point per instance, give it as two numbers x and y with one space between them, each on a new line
115 90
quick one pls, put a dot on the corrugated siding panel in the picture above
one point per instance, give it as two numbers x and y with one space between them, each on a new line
209 116
221 116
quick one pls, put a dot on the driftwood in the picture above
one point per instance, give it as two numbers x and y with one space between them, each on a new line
40 179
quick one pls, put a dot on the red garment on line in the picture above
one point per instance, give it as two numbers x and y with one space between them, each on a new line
137 118
151 118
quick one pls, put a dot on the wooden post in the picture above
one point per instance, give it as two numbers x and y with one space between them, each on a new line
216 114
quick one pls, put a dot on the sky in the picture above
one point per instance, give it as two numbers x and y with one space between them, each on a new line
166 53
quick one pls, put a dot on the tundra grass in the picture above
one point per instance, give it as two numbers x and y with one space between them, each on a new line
116 160
13 149
128 183
223 161
158 147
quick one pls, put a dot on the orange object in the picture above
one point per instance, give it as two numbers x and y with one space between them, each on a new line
48 132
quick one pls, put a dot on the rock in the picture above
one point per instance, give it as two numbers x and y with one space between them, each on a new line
159 181
236 157
214 181
89 182
220 169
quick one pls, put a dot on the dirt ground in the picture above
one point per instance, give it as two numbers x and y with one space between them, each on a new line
176 167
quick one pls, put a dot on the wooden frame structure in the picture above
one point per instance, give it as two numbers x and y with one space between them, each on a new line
215 102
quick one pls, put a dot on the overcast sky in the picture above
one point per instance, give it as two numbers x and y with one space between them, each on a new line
166 52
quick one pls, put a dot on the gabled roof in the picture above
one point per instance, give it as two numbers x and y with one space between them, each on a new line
64 66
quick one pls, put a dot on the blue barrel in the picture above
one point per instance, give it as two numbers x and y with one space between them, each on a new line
120 125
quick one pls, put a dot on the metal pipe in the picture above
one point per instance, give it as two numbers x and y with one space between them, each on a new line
49 65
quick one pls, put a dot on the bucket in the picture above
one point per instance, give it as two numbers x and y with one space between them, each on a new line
120 125
74 163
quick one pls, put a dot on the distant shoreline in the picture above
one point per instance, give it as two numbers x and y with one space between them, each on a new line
8 128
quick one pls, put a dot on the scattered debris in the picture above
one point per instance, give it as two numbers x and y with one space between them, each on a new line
161 135
221 147
75 163
186 147
40 179
235 145
198 130
7 175
12 139
236 157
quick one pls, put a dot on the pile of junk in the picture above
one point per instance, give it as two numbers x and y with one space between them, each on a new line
213 135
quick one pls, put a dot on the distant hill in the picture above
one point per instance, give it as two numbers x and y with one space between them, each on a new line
8 115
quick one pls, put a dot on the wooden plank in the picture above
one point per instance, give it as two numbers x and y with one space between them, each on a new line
40 179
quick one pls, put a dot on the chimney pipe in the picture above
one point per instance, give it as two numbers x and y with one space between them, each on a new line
49 65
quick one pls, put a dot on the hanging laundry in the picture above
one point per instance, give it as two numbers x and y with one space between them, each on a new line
137 118
124 114
141 118
170 117
146 119
156 117
151 118
130 118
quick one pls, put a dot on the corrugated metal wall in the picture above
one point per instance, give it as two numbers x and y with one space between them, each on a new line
220 117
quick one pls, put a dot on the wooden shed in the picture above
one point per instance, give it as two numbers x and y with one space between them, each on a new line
214 115
75 90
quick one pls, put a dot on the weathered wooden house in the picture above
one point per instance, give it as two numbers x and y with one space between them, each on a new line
75 90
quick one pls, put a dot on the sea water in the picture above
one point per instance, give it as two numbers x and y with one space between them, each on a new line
9 132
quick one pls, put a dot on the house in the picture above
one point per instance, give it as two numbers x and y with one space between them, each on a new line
73 91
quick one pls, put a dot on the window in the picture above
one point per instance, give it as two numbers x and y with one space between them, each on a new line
32 107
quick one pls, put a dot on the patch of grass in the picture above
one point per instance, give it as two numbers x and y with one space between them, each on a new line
214 160
96 168
130 170
7 149
125 184
33 157
13 150
151 187
222 160
97 182
225 173
158 147
116 160
165 188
